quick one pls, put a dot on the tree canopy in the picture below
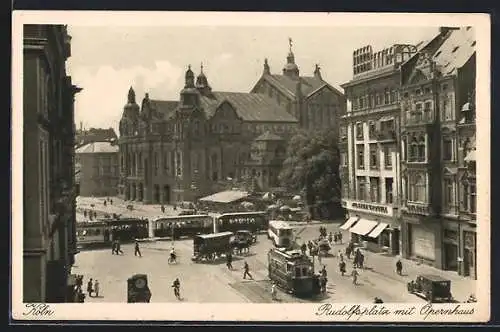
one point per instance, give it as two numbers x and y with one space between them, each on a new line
312 166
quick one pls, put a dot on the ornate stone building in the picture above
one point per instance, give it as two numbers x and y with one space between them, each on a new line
369 145
438 159
173 151
49 235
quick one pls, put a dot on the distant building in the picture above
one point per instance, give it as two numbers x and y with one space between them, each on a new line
98 164
91 135
49 234
173 151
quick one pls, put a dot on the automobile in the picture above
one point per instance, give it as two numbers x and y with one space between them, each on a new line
431 287
245 237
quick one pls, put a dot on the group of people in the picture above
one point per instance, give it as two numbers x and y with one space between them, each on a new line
90 214
93 288
335 238
116 247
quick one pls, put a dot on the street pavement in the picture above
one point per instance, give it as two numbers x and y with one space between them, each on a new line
203 282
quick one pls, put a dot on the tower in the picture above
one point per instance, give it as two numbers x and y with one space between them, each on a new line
267 70
291 69
189 95
202 83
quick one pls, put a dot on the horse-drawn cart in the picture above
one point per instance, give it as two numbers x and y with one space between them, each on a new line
208 247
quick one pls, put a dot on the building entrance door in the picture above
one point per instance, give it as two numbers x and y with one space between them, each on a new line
166 194
395 242
451 256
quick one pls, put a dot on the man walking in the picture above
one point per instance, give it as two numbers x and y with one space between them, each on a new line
229 261
399 267
354 275
137 251
90 287
247 271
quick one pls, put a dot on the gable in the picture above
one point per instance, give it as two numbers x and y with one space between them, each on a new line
225 110
328 93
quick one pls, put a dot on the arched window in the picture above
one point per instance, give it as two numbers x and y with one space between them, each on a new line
413 150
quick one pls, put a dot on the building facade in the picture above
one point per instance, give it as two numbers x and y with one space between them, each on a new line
49 235
437 152
172 151
98 164
369 145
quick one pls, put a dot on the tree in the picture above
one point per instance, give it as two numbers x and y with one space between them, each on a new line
312 167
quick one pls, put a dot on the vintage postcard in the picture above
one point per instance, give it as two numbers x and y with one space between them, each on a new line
304 167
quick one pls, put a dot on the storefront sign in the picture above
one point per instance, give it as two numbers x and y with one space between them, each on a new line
379 209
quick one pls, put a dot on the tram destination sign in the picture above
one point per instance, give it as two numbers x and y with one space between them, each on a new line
380 209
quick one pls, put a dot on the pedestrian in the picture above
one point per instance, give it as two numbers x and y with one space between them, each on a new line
118 247
330 238
85 213
323 271
229 261
340 237
111 201
356 260
81 296
399 267
105 202
342 267
354 275
340 255
162 209
247 271
273 292
361 261
113 247
137 251
310 247
89 287
96 288
335 238
303 248
348 252
175 207
323 280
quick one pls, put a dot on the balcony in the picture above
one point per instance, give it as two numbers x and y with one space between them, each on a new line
423 209
386 135
415 118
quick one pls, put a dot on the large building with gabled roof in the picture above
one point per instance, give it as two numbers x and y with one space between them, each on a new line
172 151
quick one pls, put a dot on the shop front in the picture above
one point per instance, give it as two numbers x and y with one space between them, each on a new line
422 240
373 226
451 257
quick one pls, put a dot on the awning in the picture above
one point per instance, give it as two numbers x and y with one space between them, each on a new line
349 223
377 230
471 156
363 227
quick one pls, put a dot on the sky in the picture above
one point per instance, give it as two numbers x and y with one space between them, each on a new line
106 61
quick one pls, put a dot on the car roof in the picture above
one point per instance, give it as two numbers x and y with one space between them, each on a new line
433 277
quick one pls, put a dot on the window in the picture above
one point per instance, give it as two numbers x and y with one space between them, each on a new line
412 150
418 92
387 96
448 195
373 156
156 162
447 149
359 131
387 157
343 159
372 129
343 131
388 190
378 100
361 103
361 156
417 189
178 162
472 199
394 96
361 189
465 197
374 189
444 87
427 91
421 154
372 101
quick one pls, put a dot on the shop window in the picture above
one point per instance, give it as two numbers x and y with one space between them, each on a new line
361 188
361 156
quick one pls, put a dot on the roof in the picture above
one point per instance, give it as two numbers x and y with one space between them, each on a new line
433 277
309 84
94 135
268 136
248 106
209 236
456 50
242 213
164 108
98 147
280 223
228 196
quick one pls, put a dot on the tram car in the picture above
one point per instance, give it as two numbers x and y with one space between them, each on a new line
254 222
208 247
182 226
292 271
92 233
128 229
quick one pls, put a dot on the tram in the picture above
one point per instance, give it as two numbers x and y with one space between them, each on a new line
292 271
181 226
92 233
281 233
254 222
102 232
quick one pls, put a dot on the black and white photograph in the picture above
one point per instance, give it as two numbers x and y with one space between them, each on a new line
250 166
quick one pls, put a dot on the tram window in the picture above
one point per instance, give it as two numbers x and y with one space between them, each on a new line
84 232
297 271
97 232
304 271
